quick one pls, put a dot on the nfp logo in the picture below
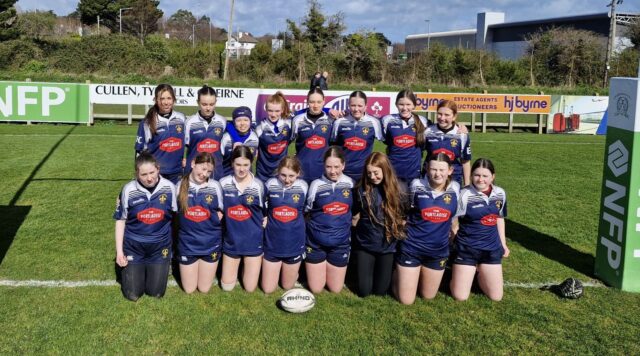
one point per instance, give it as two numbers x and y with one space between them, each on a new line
612 222
618 159
23 96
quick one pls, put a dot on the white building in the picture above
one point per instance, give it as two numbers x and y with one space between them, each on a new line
508 39
241 44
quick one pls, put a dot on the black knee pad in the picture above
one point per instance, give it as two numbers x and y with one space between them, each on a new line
156 279
133 282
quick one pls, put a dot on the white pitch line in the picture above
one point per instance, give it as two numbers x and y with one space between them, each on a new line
112 283
543 142
72 135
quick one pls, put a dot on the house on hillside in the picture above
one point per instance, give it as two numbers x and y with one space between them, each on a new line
241 44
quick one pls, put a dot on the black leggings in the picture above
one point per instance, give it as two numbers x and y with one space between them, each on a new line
374 272
140 279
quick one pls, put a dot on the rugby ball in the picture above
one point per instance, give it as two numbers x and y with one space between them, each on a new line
297 300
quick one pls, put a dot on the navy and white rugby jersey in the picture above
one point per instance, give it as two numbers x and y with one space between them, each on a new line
356 137
329 206
311 140
430 218
200 228
203 136
404 153
273 146
147 215
284 235
227 149
454 144
167 145
478 218
243 217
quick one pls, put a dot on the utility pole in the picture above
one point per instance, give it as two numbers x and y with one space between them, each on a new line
226 60
611 41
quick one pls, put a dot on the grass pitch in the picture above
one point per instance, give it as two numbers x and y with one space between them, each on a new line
60 184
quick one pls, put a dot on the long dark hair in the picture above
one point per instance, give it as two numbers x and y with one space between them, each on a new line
183 193
408 94
392 201
151 117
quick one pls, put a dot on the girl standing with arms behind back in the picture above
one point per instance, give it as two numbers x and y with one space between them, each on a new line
203 131
274 133
162 133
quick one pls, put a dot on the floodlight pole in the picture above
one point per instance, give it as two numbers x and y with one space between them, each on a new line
428 34
226 60
120 17
611 40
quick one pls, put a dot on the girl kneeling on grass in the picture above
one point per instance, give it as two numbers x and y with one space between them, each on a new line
284 236
422 256
243 203
200 233
329 225
481 241
378 217
143 230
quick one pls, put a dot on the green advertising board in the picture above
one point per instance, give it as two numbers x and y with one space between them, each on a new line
618 250
44 102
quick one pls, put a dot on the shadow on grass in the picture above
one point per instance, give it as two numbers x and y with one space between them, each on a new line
551 248
13 216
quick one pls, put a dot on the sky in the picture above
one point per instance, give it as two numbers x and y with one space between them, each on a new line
396 19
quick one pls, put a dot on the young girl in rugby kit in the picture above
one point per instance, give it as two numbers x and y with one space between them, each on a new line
404 135
203 131
200 233
284 236
481 240
274 134
311 134
143 230
329 225
378 215
242 135
162 133
356 134
446 137
422 256
243 201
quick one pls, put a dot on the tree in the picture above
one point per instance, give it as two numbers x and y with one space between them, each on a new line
36 24
143 18
108 10
320 35
634 33
180 24
7 20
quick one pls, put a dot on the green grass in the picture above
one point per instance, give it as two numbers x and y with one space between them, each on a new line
63 181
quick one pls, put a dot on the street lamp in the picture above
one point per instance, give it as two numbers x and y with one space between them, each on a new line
120 17
428 34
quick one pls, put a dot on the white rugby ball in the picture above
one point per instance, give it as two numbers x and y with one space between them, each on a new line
297 300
